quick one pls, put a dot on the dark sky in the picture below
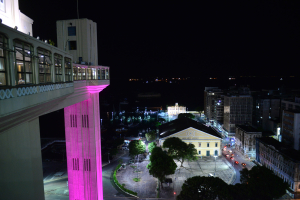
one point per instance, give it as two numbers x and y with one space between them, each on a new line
141 39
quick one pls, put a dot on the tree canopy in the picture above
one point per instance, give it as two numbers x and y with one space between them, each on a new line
188 115
136 147
201 187
262 183
151 146
150 136
161 164
180 150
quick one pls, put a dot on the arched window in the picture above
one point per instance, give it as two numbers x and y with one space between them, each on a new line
23 62
58 68
216 152
3 61
44 65
68 70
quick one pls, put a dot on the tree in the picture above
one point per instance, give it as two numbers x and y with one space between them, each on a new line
208 188
262 183
150 136
161 164
136 147
151 146
179 150
188 115
157 124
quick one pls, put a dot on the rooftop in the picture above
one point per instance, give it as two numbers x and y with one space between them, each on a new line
248 129
281 148
184 123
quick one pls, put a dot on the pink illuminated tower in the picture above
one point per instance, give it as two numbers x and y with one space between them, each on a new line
82 118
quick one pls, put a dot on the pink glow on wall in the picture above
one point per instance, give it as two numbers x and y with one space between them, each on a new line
96 88
83 144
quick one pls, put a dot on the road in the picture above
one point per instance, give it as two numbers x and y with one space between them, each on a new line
236 157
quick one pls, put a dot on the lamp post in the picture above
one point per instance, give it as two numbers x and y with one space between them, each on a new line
215 165
108 157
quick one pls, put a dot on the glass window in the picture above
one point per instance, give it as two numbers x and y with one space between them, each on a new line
72 45
216 152
199 144
207 153
68 70
58 68
3 45
216 145
44 65
102 74
208 144
72 31
199 152
23 62
75 73
94 74
89 74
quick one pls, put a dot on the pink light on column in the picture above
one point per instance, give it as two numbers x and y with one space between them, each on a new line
83 143
95 88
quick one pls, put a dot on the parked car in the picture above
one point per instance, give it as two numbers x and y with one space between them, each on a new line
243 164
236 162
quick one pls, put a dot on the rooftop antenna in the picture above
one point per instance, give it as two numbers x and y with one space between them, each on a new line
77 10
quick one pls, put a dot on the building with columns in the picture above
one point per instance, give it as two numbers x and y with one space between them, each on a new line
36 79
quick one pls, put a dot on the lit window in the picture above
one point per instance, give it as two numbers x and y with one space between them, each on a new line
3 43
68 70
58 68
44 65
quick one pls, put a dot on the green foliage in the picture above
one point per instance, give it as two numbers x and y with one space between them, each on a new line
262 183
180 150
121 186
136 179
51 42
151 146
208 188
188 115
161 164
157 124
150 136
133 166
136 147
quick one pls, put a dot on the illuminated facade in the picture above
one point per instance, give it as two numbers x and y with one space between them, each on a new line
206 140
36 79
282 160
176 110
245 140
11 16
213 104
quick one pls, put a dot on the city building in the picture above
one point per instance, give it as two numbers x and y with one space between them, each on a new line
213 104
38 78
245 140
238 106
176 110
282 160
291 128
206 140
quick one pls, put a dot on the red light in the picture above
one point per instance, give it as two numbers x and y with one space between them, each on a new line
174 193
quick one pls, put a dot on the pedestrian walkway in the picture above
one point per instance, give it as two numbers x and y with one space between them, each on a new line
116 157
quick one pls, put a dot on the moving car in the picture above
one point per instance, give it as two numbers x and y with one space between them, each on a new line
232 155
231 158
227 155
236 162
243 164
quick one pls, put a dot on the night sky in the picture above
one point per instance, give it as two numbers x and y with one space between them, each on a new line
143 39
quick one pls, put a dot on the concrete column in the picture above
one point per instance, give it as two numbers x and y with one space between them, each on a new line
83 143
21 171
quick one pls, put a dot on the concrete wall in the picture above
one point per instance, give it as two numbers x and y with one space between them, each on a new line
21 168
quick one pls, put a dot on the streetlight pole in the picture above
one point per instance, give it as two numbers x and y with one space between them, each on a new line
215 165
108 157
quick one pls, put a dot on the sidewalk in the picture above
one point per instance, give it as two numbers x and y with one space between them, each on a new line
116 157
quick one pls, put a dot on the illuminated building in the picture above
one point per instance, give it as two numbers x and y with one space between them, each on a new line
36 79
206 140
176 110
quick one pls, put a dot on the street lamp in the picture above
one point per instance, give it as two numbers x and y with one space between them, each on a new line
108 157
215 165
